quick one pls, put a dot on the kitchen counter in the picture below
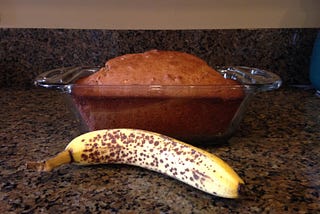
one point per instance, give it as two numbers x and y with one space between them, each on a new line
276 151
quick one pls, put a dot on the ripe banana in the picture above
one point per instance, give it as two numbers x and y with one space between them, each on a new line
152 151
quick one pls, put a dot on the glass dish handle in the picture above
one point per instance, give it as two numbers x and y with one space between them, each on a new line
253 78
62 78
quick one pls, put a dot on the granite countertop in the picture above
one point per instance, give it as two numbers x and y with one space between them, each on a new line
276 151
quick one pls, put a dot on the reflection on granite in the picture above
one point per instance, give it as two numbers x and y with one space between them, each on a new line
276 150
24 53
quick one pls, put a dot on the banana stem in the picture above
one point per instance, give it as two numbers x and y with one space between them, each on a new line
56 161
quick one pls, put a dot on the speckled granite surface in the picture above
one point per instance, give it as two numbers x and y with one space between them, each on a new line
276 151
24 53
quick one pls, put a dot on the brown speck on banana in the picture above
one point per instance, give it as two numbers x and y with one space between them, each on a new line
153 151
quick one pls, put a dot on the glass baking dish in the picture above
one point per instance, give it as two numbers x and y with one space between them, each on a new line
192 113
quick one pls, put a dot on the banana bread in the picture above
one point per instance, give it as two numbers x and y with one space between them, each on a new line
170 92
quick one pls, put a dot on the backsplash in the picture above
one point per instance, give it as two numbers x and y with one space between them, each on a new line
25 53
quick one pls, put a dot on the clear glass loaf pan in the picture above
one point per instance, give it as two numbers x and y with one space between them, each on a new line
194 114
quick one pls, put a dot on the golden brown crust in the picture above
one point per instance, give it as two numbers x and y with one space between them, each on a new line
155 67
159 68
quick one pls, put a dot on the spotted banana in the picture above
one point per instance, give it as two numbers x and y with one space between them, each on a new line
152 151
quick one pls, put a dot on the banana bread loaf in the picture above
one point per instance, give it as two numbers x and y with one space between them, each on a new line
170 92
